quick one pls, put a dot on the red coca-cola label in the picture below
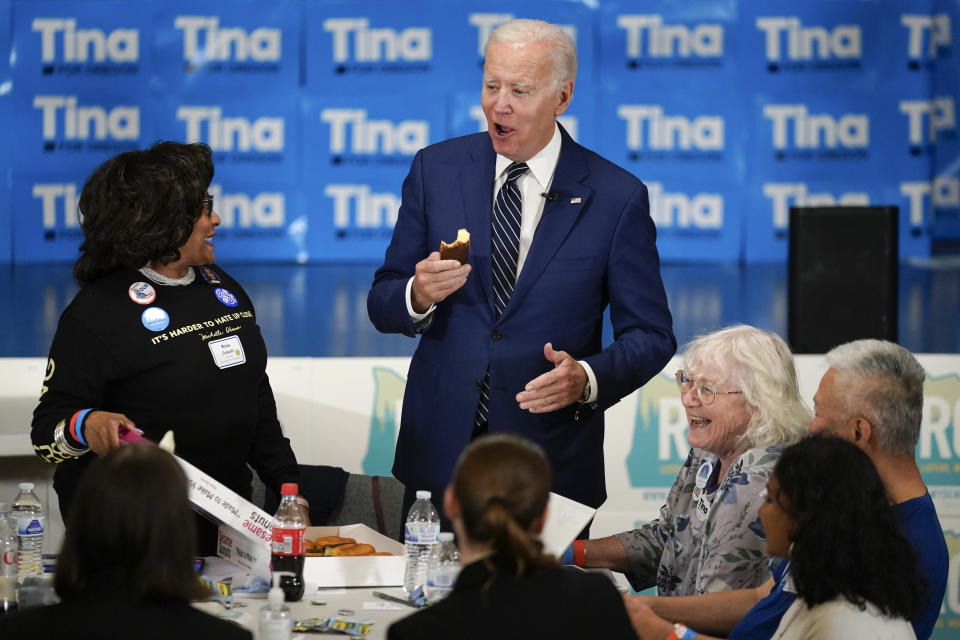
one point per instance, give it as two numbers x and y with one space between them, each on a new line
9 563
287 542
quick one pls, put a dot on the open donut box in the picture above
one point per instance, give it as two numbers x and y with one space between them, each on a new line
356 571
244 536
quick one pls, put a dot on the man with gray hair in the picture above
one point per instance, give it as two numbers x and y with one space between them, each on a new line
872 396
510 336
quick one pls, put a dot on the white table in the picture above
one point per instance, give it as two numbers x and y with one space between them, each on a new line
359 600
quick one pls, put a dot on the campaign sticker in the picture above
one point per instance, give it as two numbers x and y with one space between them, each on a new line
209 275
142 292
704 473
155 319
227 352
226 297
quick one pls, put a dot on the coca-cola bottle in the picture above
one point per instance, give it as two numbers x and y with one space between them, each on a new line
8 563
287 542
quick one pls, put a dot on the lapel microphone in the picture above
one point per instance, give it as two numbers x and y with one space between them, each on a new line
553 195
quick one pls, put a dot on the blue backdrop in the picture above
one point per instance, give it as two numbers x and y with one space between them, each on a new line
731 112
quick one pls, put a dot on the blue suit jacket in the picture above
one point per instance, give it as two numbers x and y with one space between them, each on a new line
594 247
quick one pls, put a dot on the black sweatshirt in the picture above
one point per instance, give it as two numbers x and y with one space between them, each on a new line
202 375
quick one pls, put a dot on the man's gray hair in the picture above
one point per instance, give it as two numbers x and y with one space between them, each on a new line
524 31
761 365
883 382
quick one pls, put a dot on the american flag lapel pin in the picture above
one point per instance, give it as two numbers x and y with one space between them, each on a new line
575 200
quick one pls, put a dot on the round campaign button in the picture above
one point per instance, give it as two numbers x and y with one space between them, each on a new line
155 319
142 292
704 473
226 297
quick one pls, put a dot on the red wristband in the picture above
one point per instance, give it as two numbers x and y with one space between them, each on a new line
579 554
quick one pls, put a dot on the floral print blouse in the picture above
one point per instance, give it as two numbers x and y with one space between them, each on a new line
684 552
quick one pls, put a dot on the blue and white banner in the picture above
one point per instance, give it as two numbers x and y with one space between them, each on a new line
362 46
352 218
359 154
46 223
6 216
6 151
680 147
250 46
663 44
819 45
250 137
61 44
261 220
732 111
77 129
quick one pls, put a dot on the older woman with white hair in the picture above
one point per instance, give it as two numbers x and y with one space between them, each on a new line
739 390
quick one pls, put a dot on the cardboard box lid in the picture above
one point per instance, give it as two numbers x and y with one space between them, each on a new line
224 506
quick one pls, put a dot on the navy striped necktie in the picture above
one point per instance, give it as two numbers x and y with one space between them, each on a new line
505 236
504 251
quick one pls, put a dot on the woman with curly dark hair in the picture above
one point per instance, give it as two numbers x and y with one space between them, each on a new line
855 575
508 588
126 566
158 337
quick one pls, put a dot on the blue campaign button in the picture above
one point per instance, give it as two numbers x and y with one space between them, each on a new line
155 318
226 297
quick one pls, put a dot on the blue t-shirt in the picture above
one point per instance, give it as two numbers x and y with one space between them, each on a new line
920 526
764 618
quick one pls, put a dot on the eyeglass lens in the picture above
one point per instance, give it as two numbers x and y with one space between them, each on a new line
706 393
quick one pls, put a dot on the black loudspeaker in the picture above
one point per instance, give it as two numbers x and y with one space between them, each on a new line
842 276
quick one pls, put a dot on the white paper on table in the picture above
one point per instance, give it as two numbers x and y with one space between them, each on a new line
385 606
565 519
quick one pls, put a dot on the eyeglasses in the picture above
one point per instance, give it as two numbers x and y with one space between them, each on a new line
705 392
208 201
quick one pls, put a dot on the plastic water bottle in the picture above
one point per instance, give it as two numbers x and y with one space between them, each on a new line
419 535
8 563
287 543
27 513
442 568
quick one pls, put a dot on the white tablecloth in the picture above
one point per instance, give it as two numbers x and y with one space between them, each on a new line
361 601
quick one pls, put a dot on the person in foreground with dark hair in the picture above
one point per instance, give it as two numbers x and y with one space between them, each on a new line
508 587
126 566
158 337
871 396
825 494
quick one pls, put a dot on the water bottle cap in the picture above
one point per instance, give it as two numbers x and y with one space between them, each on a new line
446 536
289 489
26 486
423 495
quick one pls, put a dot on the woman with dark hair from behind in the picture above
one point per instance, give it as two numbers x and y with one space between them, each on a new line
126 566
508 588
855 575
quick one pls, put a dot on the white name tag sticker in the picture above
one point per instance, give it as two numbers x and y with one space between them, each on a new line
227 352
